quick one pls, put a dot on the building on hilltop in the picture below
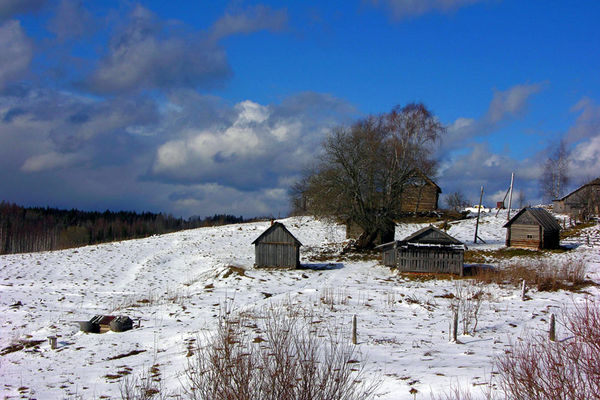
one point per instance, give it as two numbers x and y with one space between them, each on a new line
581 202
277 247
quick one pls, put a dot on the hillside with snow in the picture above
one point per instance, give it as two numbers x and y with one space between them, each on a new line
176 284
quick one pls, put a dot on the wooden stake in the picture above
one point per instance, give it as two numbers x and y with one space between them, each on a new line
354 329
52 341
552 333
523 290
454 325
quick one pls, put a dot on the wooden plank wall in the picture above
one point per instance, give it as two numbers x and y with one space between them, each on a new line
517 236
434 260
389 257
277 255
419 199
277 249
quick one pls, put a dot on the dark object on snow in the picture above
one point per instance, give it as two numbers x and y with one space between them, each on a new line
277 247
427 250
533 228
104 323
121 324
89 326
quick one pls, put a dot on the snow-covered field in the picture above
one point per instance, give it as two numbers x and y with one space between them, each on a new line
176 283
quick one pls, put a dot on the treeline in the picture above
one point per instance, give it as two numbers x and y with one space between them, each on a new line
24 229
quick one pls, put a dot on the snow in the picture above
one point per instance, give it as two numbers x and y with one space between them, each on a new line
176 283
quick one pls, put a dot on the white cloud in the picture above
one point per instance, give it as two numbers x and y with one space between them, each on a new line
504 106
587 124
250 20
16 52
585 160
8 8
408 8
49 161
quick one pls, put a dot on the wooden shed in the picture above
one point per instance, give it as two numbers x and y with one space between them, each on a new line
277 247
533 228
584 199
420 194
427 250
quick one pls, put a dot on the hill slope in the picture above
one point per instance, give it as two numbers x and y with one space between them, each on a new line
177 283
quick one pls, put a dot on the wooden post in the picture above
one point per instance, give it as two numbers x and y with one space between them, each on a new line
552 333
454 325
52 341
478 212
512 178
523 290
354 329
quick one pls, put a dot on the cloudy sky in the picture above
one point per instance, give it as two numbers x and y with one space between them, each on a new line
203 107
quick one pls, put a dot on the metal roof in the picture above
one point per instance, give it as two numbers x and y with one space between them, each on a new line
543 217
275 226
590 183
446 239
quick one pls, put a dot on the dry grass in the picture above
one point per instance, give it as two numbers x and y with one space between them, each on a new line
507 253
575 230
544 275
293 360
570 369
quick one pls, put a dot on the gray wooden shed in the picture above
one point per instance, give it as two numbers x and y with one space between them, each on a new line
277 247
427 250
533 228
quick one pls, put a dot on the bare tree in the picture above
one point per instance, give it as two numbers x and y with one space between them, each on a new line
457 201
365 169
521 199
556 173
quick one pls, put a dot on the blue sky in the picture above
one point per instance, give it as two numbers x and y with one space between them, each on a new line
196 108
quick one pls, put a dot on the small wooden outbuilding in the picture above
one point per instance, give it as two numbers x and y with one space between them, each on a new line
427 250
277 247
584 199
533 228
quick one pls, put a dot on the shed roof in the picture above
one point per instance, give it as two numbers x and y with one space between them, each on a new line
594 182
542 217
428 180
431 235
428 236
277 225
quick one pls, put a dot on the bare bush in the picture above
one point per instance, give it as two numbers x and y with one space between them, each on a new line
467 300
458 392
147 386
569 369
285 358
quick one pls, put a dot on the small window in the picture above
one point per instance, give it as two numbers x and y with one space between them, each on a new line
529 236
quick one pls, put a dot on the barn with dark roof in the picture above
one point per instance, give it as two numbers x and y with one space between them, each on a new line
533 228
277 247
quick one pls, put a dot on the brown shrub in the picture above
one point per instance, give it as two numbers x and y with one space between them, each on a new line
544 275
544 370
291 362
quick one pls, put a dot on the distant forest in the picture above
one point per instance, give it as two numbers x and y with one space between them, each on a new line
24 230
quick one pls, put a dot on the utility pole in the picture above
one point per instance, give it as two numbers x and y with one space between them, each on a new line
478 212
512 178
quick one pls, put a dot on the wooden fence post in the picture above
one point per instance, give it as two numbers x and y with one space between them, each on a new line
552 333
354 329
454 325
523 287
52 341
